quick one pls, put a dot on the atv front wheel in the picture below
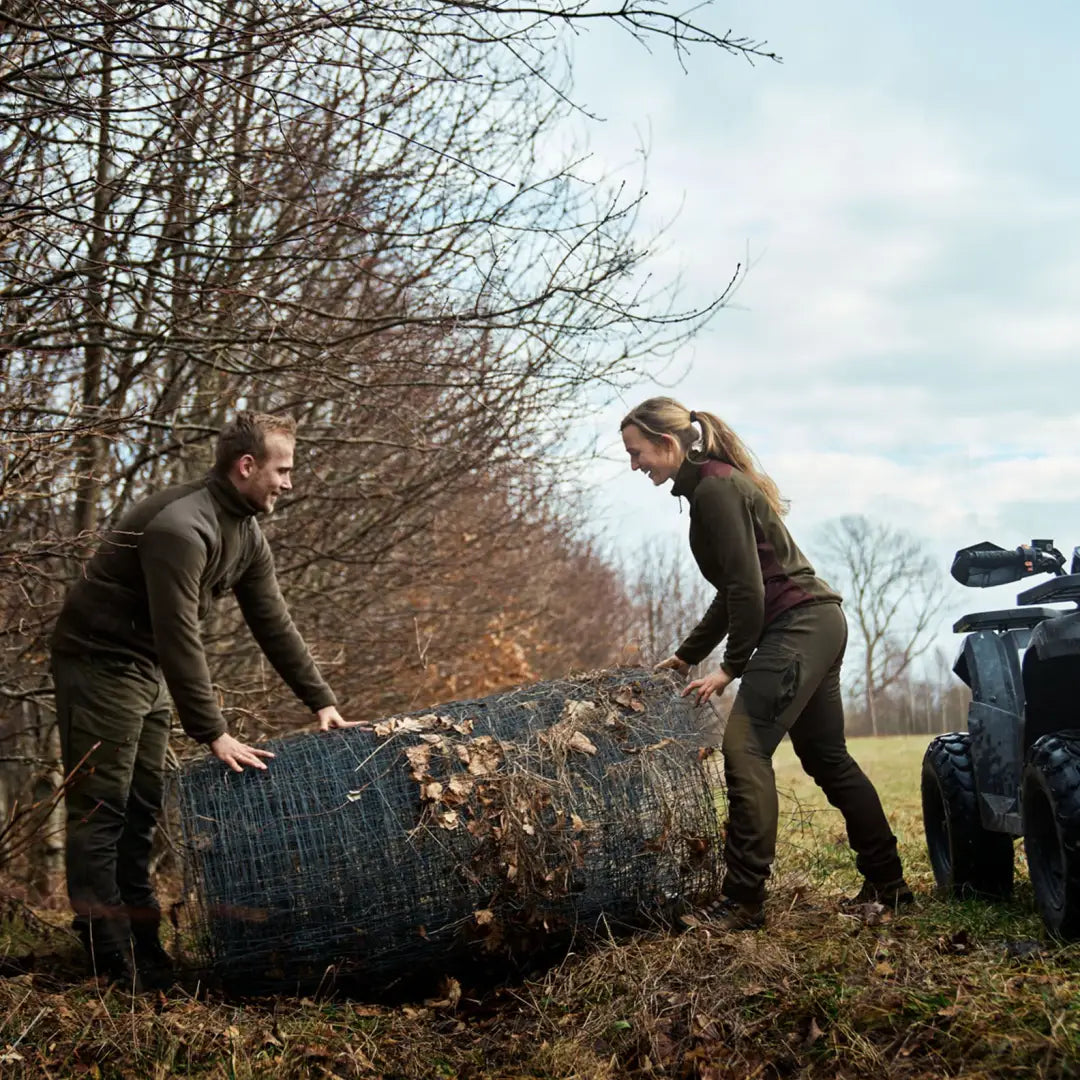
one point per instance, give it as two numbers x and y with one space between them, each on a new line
1051 807
967 859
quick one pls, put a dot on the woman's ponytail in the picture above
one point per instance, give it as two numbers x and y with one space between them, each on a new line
720 441
660 416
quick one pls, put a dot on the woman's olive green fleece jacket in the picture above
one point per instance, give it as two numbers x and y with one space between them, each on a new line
147 589
744 550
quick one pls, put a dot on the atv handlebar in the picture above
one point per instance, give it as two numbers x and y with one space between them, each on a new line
986 564
990 560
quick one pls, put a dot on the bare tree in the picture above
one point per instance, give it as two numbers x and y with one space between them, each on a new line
351 212
669 596
893 593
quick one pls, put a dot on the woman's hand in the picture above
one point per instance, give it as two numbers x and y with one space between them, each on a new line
715 682
674 663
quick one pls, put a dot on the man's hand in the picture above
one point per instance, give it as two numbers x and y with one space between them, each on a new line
714 683
236 754
674 663
329 717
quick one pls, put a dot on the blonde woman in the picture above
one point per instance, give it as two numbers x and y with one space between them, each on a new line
785 637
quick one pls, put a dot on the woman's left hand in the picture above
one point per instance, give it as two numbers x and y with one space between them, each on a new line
715 682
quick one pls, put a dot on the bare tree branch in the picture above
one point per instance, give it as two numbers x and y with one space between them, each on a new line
893 594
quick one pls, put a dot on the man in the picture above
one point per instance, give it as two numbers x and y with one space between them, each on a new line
129 629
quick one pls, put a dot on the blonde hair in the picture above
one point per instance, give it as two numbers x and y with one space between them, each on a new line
660 416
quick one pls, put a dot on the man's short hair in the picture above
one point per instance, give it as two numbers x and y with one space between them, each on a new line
246 434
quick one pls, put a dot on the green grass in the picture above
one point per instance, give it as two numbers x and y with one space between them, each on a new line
812 832
939 992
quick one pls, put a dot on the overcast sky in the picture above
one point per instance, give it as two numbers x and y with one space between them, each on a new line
907 186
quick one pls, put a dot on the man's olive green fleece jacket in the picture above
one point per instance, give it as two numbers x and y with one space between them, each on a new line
744 550
147 589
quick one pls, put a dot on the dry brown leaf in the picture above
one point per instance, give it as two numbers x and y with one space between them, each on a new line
419 759
448 819
576 823
480 756
625 697
578 712
483 765
483 916
463 727
432 791
451 995
461 785
400 724
580 741
706 1026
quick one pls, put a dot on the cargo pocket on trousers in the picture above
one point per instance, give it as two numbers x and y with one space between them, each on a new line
769 684
100 742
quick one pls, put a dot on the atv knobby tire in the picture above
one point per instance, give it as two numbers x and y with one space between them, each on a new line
967 859
1051 803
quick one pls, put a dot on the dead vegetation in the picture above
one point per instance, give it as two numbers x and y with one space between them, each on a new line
964 990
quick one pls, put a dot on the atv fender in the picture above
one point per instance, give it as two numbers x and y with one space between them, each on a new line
991 664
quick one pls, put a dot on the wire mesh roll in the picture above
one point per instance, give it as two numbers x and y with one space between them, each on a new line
472 831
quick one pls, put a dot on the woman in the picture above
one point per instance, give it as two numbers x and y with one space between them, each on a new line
785 637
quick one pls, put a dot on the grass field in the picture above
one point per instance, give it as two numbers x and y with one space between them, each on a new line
893 763
966 990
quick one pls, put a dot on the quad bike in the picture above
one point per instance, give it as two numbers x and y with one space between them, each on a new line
1016 770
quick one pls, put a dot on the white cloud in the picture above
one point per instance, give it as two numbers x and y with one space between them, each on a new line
907 342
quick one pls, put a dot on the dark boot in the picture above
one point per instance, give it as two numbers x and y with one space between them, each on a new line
154 964
891 894
107 942
119 968
727 914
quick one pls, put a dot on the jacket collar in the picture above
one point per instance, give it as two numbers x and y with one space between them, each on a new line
227 497
687 478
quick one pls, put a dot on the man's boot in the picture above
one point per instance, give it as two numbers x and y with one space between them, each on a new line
108 948
154 964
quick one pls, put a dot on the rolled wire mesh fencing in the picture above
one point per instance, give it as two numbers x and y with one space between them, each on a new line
477 831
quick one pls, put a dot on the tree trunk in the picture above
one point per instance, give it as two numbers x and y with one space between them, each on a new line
871 711
89 451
